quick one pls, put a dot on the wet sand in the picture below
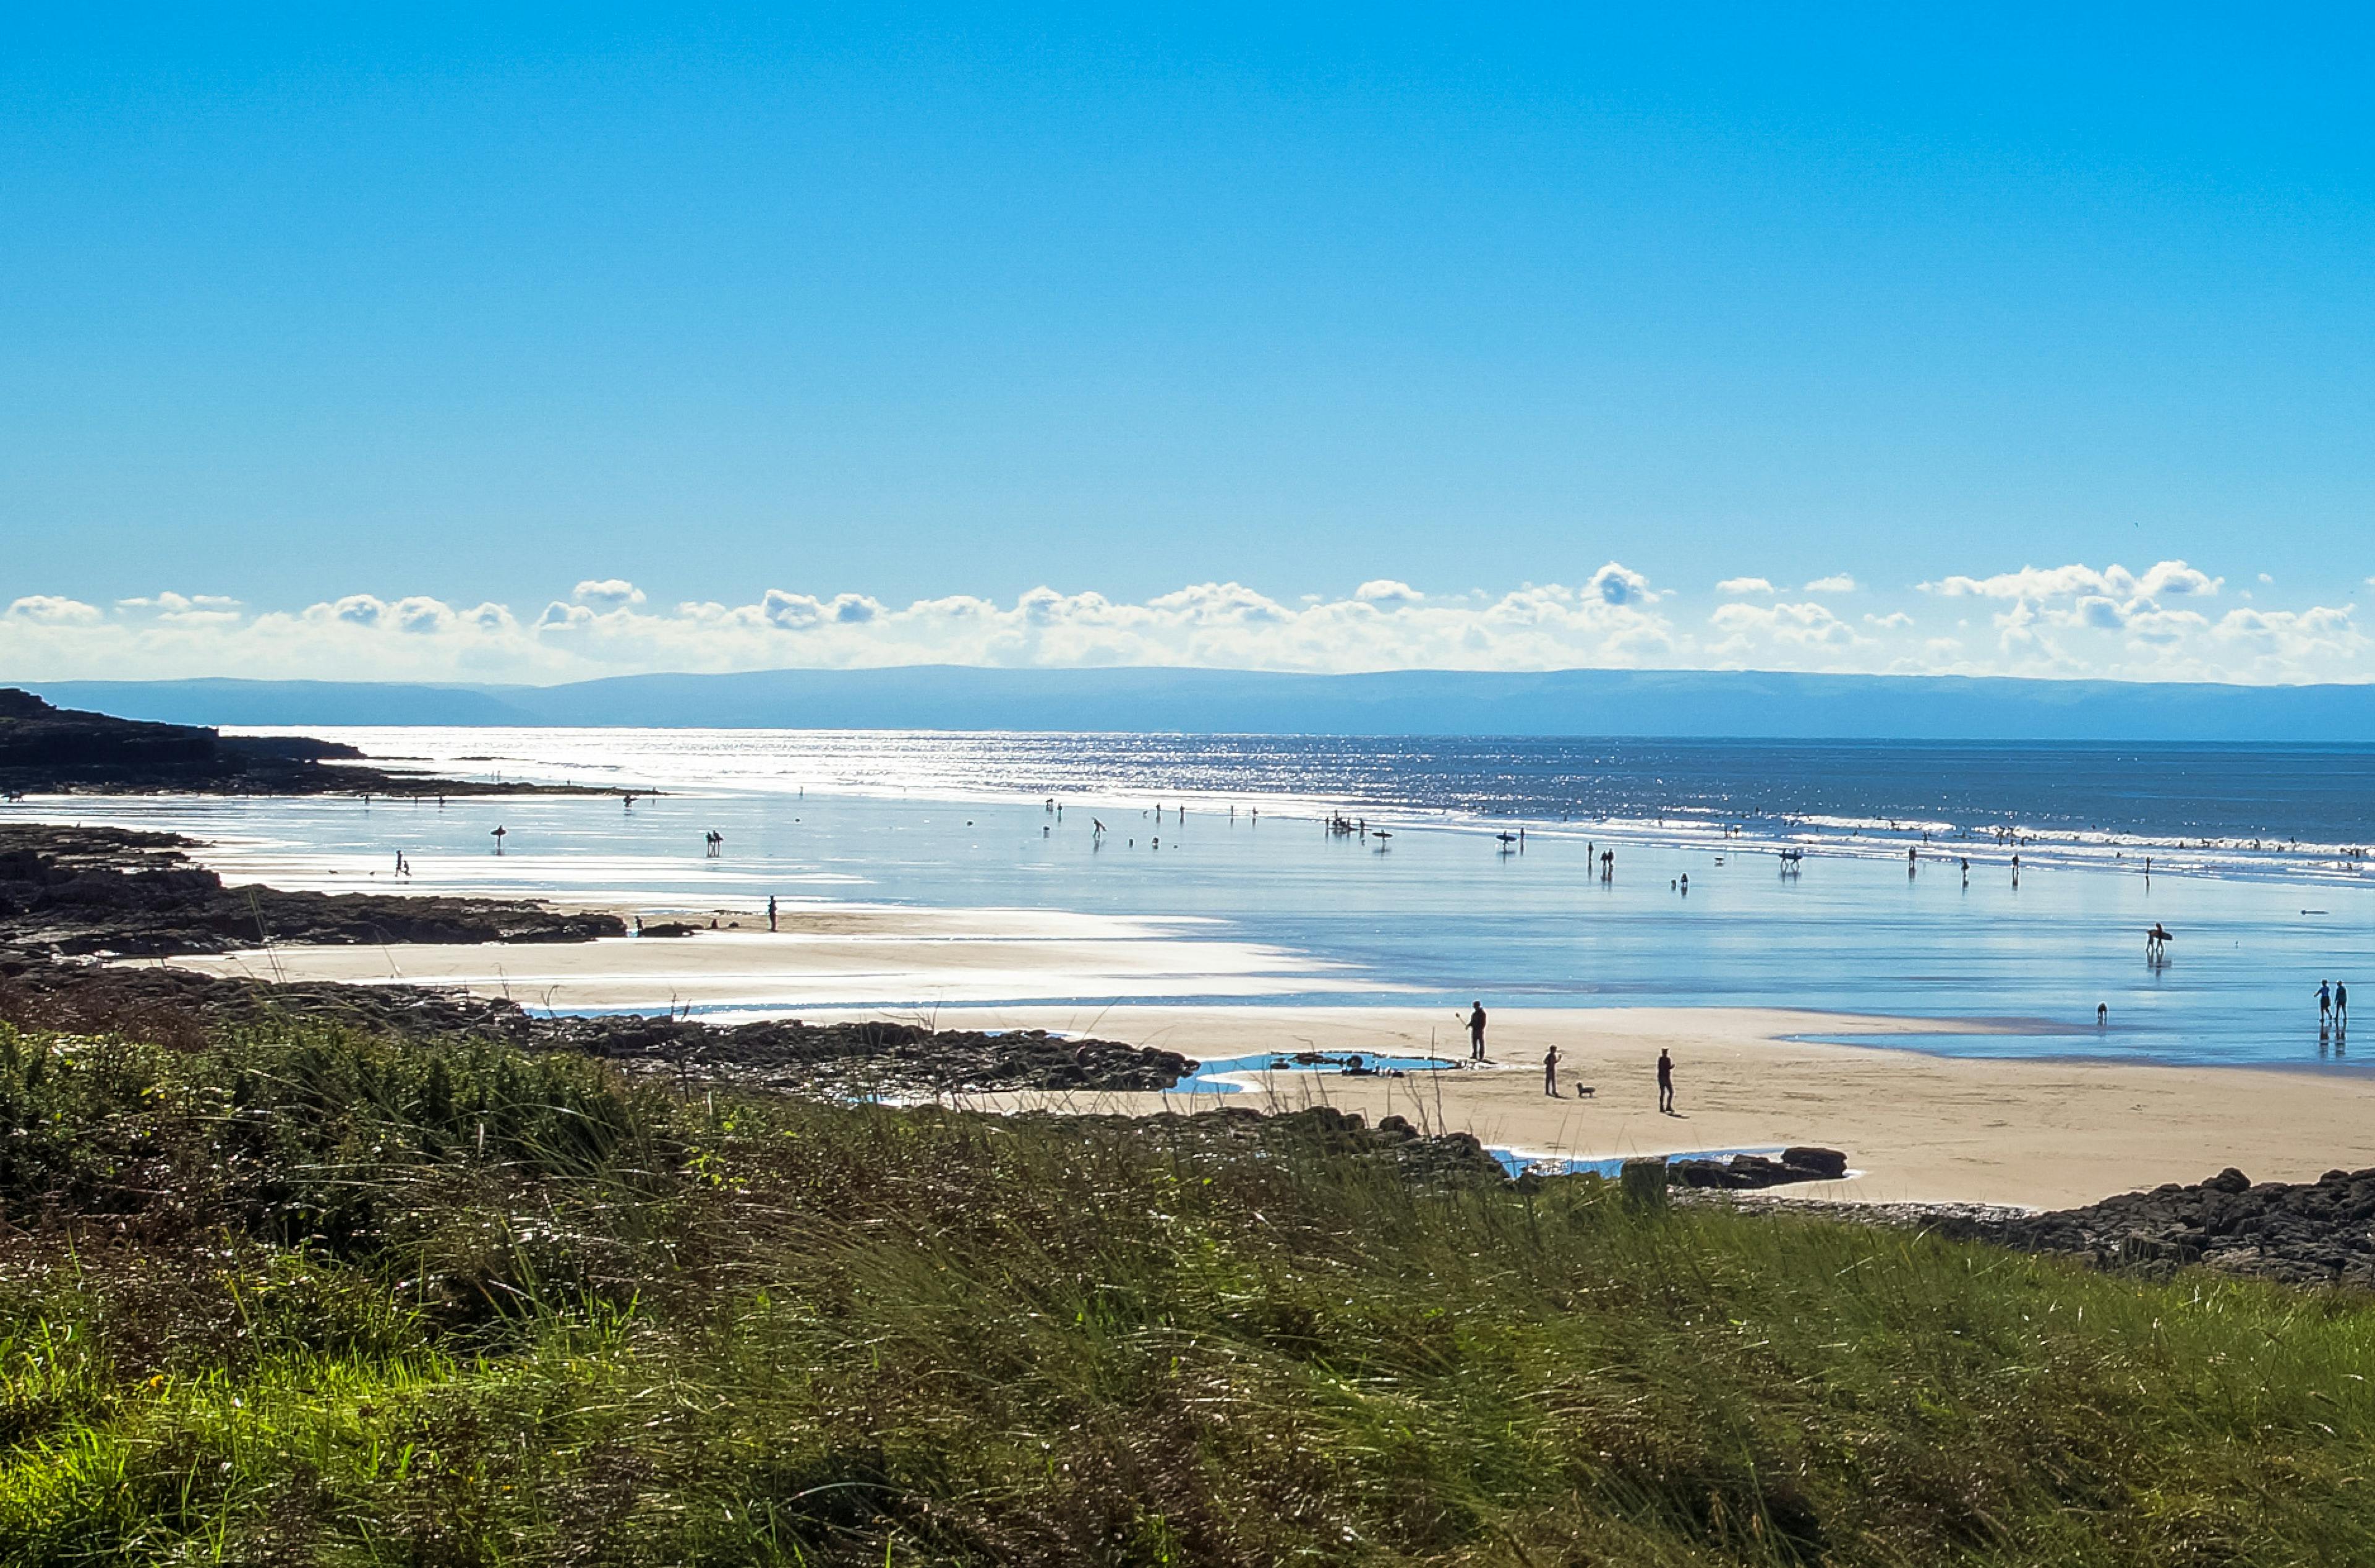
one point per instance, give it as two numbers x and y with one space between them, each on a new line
846 955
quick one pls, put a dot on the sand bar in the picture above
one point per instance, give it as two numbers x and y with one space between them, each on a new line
847 954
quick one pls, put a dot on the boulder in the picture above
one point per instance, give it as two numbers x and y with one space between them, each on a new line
1829 1164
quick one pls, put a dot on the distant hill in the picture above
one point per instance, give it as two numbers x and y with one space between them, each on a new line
1579 701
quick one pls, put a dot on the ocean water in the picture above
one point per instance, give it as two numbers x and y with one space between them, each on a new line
2285 810
1442 912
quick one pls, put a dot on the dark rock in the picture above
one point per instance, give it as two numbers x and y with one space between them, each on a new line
1644 1182
1749 1173
1827 1163
2306 1231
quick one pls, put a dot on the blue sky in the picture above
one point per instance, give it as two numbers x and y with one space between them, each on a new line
305 309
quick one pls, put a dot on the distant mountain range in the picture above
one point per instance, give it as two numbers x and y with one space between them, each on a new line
1579 701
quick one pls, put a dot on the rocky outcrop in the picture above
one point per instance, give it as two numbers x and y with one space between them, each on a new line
75 890
2308 1233
45 750
870 1058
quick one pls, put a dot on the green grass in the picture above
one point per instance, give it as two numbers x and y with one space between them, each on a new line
282 1299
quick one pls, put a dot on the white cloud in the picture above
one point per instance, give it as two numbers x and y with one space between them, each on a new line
797 612
607 593
420 616
1740 585
2159 624
355 609
2097 611
1615 584
48 609
187 609
1808 627
1838 582
2166 579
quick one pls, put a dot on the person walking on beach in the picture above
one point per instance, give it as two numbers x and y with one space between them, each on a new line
2324 1006
1550 1072
1665 1084
2341 1004
1476 1033
771 911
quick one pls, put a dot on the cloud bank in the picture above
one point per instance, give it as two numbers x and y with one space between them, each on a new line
2165 622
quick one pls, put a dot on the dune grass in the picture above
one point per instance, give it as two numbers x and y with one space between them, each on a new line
303 1297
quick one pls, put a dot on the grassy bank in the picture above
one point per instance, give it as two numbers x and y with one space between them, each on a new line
305 1298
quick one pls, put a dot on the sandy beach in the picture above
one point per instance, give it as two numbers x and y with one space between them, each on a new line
1915 1126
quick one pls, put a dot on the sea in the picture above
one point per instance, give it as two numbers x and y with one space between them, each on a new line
1849 878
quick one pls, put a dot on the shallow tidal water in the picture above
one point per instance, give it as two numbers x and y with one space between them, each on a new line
1440 913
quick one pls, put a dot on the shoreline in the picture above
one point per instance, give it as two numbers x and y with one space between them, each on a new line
2034 1132
1915 1128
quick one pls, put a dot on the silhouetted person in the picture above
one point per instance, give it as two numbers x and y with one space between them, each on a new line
771 911
2324 1004
1665 1084
1476 1033
2102 1014
1550 1072
2341 1004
